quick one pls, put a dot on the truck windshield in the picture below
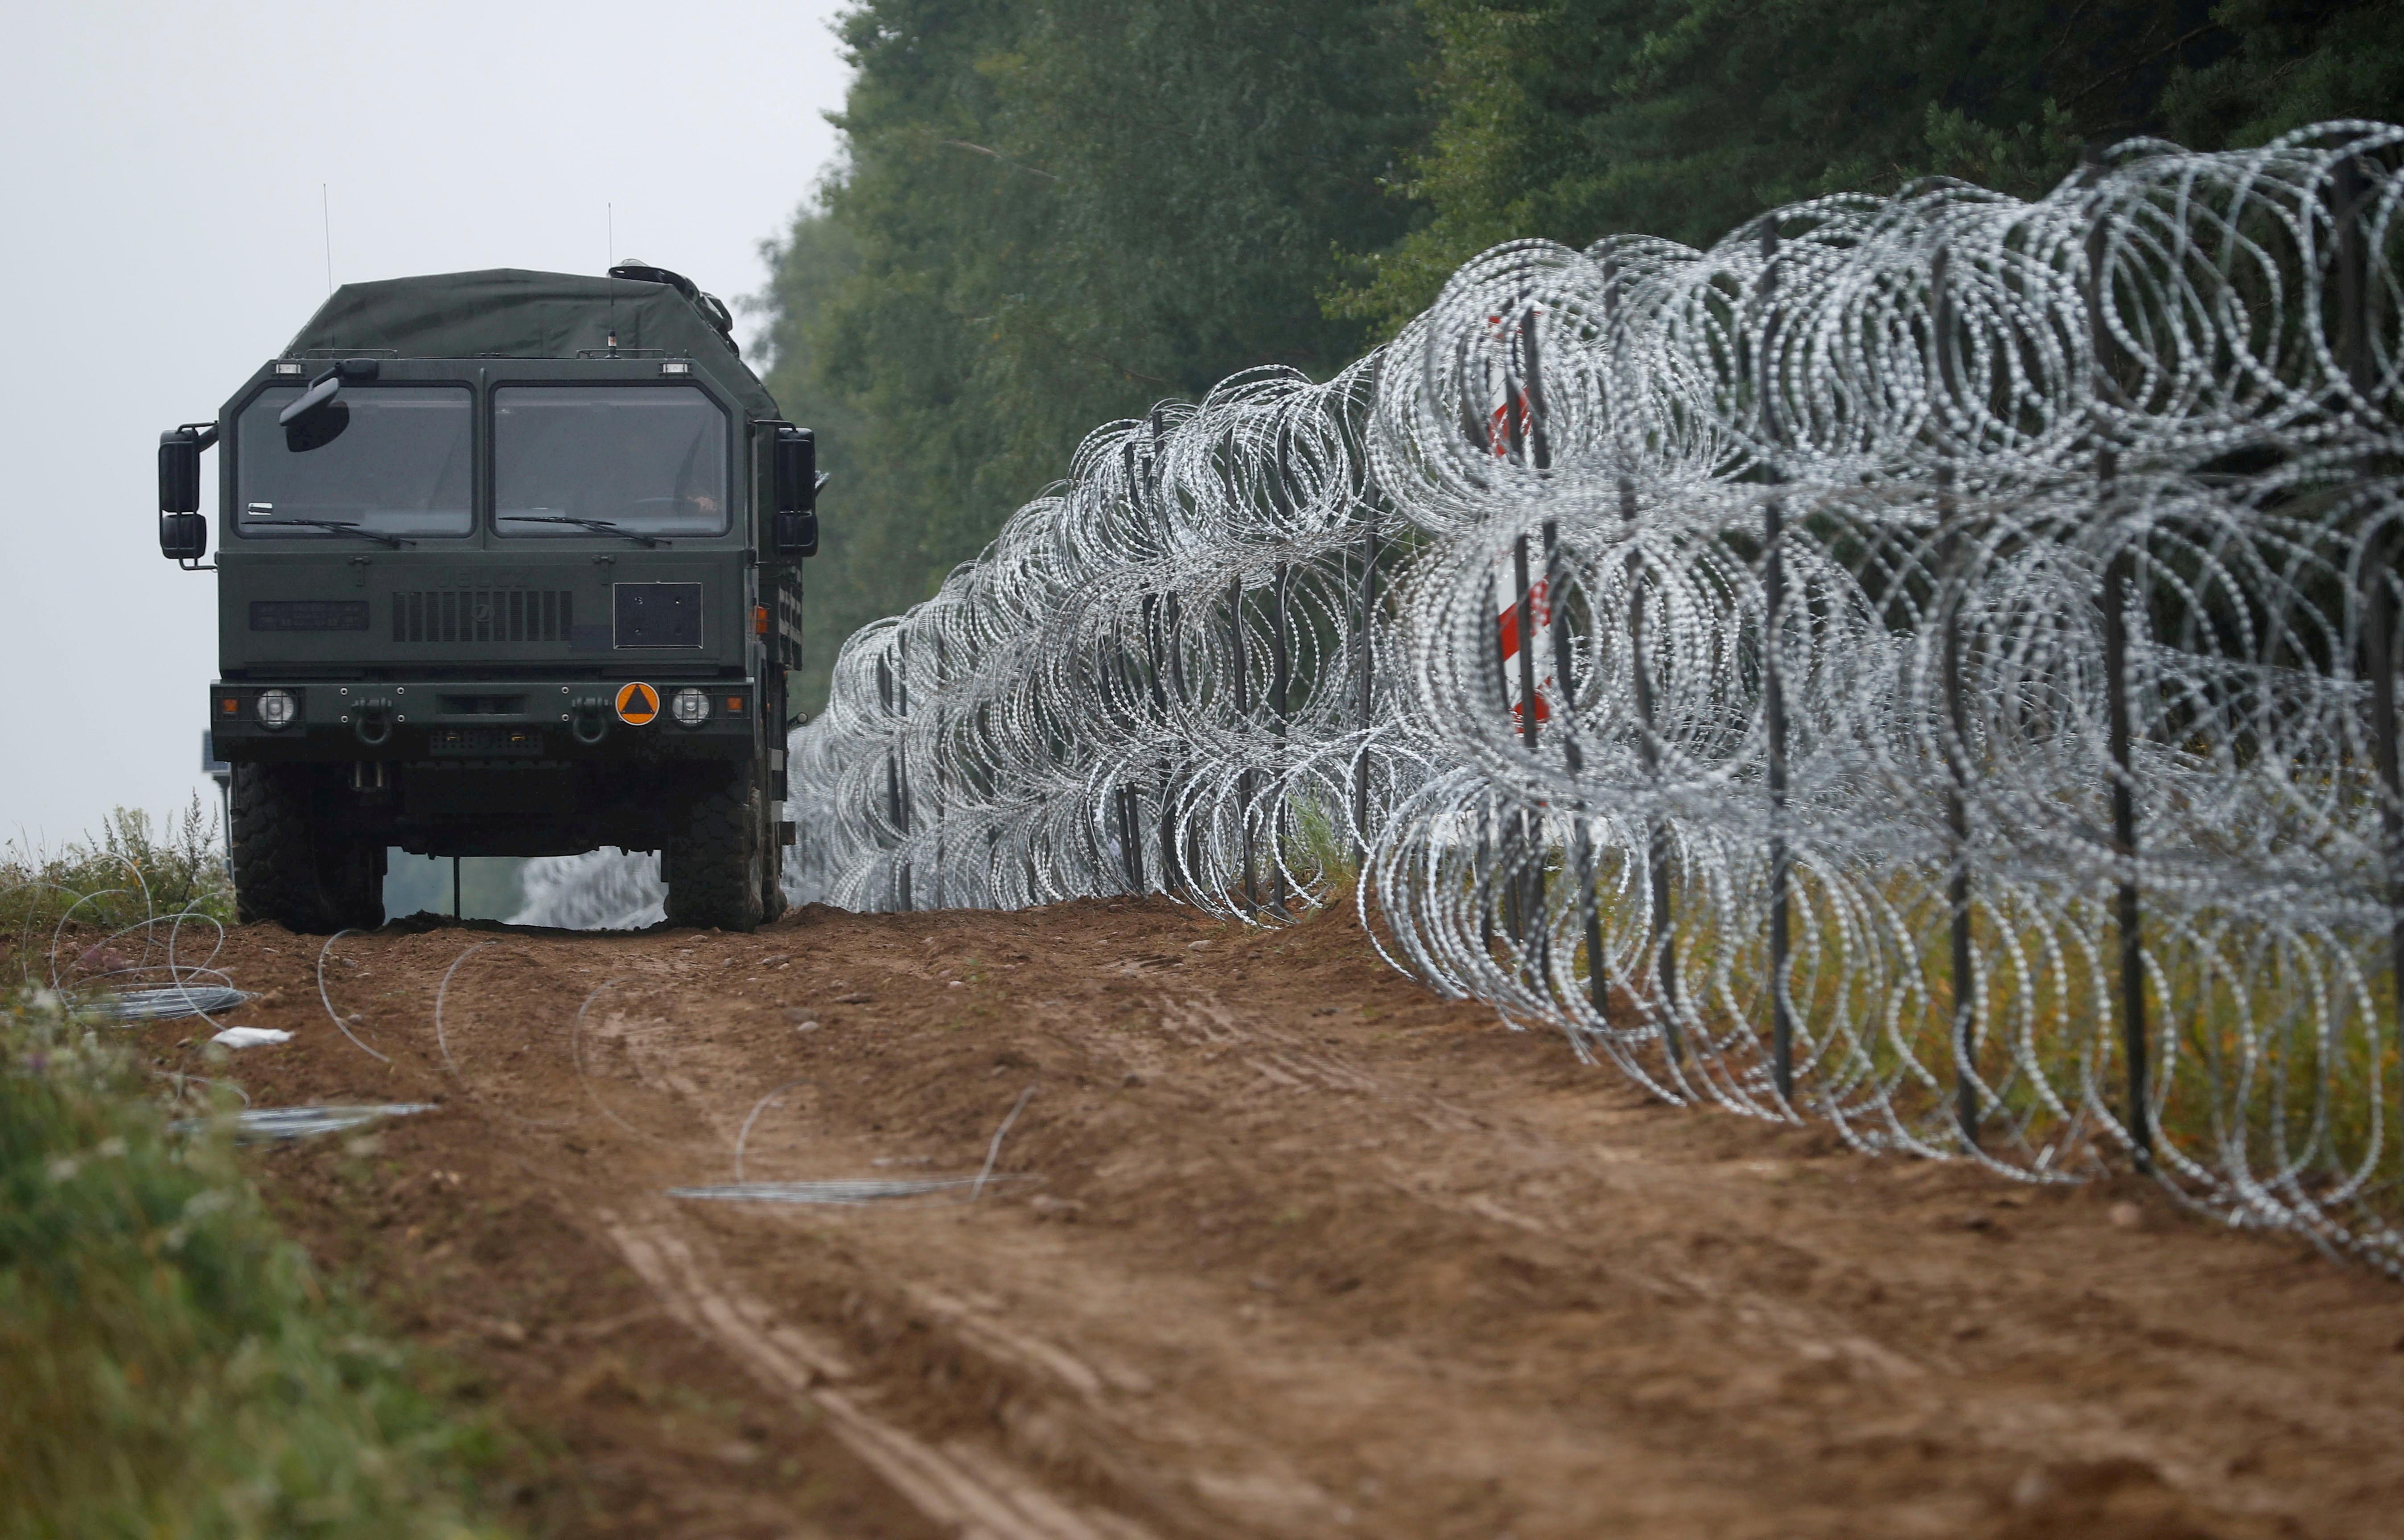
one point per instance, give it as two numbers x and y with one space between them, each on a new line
402 465
644 459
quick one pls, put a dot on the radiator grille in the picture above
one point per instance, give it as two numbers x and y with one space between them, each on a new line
483 615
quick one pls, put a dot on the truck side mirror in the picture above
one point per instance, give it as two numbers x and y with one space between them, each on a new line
183 536
797 470
798 481
797 533
179 466
183 532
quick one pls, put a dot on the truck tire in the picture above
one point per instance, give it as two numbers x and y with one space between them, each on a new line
772 871
716 861
290 865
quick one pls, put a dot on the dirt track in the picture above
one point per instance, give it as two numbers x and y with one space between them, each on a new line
1298 1251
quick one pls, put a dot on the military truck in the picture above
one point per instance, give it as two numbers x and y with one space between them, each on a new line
510 565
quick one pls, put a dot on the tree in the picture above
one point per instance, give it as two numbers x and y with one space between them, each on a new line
2294 64
1578 118
1052 217
1053 214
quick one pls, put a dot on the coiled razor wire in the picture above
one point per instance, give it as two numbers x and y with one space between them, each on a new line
1925 663
167 1002
113 993
843 1192
274 1124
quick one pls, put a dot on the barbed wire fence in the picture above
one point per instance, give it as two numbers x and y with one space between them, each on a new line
1926 663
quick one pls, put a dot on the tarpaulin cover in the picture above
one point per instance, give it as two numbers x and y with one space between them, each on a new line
509 313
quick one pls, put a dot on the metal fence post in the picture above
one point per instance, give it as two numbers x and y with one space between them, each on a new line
1160 626
1123 695
1280 666
1663 940
2120 577
1368 634
1528 886
942 814
1280 680
1953 585
1498 895
1506 891
1540 457
1240 661
885 699
2120 574
1173 867
1781 1025
1533 444
1368 697
1130 803
1523 893
1573 756
1154 647
897 767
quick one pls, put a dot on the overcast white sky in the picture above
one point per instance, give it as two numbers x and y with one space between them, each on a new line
162 180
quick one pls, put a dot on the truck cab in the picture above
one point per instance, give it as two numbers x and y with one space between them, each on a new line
510 565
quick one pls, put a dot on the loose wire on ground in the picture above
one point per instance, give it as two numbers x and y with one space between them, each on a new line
855 1190
264 1124
339 1025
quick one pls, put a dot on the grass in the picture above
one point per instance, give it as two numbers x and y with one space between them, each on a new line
2269 1048
168 1364
128 873
1321 856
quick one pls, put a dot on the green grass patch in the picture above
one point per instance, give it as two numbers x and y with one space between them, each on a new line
170 1364
131 870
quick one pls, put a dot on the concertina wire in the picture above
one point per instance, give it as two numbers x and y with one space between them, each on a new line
1892 601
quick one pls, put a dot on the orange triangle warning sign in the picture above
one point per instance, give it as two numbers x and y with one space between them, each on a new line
637 703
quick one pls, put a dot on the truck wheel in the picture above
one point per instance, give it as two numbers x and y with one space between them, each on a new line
716 862
289 863
772 873
350 873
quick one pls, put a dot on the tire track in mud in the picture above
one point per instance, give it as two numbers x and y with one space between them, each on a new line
1305 1253
955 1486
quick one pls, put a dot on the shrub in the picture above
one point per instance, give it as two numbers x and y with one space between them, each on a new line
129 873
168 1364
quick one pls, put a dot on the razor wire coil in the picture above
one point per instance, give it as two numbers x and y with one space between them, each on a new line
1786 669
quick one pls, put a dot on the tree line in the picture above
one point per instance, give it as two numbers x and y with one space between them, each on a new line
1052 212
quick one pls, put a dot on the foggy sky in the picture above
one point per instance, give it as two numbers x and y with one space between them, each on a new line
166 233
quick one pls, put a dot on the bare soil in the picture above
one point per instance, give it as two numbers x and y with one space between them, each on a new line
1288 1248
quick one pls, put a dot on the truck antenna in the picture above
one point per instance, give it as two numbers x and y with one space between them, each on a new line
326 212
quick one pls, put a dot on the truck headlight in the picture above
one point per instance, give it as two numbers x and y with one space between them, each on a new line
690 707
276 708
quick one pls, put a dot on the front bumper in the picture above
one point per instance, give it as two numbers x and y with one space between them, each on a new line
482 720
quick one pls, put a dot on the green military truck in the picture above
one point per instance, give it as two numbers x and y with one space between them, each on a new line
511 566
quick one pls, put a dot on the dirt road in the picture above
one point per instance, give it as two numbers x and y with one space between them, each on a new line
1290 1249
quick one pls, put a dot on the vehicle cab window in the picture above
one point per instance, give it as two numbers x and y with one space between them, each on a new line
585 460
390 459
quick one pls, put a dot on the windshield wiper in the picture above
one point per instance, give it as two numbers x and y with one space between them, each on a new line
344 527
602 525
